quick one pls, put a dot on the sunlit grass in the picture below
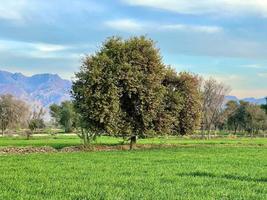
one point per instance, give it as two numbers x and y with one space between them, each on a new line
193 172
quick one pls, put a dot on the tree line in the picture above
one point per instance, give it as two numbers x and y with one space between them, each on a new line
15 113
126 90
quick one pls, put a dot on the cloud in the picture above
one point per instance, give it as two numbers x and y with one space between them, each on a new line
196 7
131 25
30 10
35 50
263 75
196 28
127 25
12 10
253 66
228 79
49 47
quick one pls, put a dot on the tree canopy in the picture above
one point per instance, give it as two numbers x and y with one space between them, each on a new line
125 89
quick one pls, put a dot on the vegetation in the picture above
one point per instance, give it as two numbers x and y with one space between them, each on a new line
13 112
125 89
64 115
190 172
123 92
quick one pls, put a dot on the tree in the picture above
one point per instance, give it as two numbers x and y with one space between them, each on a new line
264 106
119 90
231 113
12 112
126 90
245 116
213 96
64 115
256 118
36 120
189 116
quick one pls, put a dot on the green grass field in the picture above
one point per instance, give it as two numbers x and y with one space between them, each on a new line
61 141
195 169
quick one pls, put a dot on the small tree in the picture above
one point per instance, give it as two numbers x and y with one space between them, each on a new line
64 115
213 97
35 121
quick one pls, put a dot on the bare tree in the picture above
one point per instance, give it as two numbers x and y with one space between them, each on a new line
213 99
36 120
13 112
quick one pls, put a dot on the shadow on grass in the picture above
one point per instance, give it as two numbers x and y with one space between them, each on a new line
225 176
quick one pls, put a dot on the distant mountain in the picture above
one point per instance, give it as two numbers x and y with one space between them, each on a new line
253 100
42 89
46 89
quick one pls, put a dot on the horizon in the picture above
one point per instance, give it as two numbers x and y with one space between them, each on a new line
39 37
31 75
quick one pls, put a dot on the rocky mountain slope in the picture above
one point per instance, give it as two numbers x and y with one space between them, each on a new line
43 89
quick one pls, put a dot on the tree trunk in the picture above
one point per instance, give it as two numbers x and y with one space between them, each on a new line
133 140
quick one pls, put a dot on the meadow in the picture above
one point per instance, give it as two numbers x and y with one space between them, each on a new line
193 169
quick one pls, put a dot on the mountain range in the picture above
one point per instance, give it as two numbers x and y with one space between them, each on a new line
253 100
40 89
46 89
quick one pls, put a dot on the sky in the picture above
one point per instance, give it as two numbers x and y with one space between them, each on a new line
224 39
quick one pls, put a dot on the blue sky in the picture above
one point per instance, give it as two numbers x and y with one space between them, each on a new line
225 39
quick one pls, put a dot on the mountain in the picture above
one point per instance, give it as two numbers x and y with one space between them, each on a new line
253 100
45 89
41 89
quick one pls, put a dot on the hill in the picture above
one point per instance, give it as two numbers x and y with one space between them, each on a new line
43 89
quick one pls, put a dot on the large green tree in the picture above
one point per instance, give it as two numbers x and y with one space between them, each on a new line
125 89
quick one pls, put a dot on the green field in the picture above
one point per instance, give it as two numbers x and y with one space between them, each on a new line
194 169
61 141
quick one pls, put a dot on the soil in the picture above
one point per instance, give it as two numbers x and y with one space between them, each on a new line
29 149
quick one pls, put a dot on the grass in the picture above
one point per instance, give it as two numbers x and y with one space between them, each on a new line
197 169
215 172
61 141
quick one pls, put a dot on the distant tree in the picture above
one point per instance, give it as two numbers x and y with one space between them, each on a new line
36 120
256 118
264 106
189 116
64 115
55 114
12 112
244 116
231 114
213 97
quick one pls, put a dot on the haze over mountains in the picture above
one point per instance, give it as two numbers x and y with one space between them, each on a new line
42 89
45 89
253 100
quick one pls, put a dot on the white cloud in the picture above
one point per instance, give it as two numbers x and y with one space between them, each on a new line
48 47
228 79
195 28
20 11
12 10
35 50
130 25
253 66
218 7
127 25
263 75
